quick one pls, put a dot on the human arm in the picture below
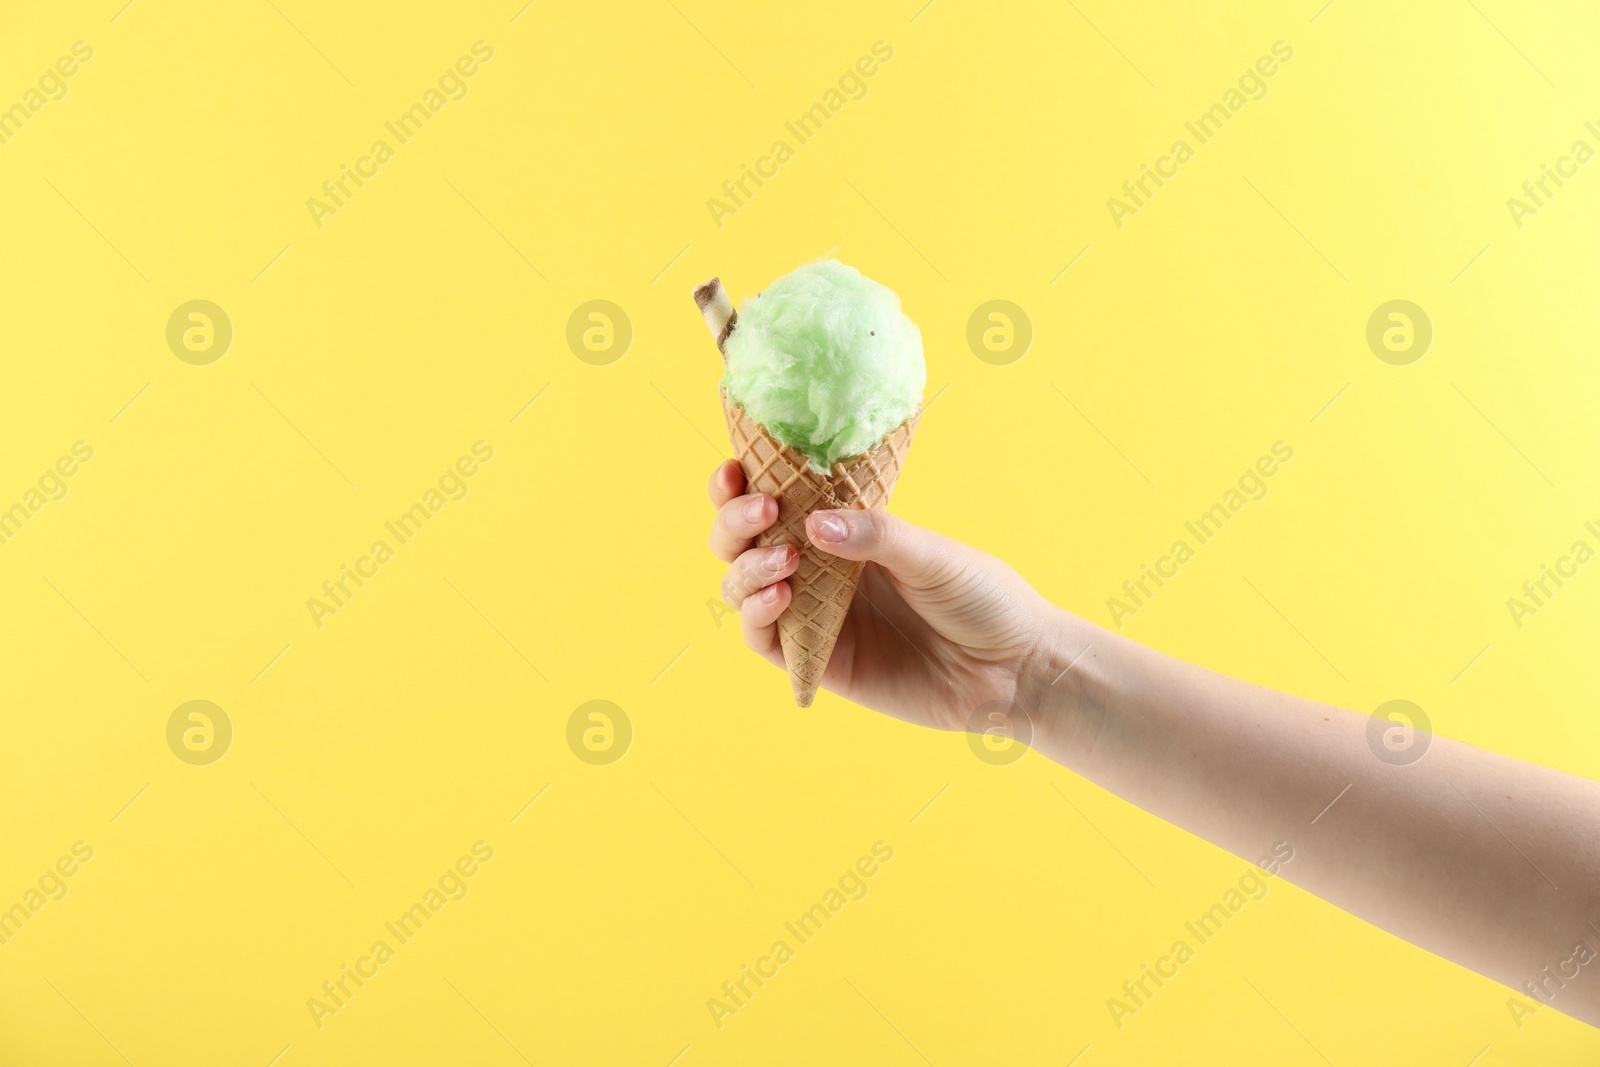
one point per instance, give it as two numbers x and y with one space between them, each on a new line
1486 860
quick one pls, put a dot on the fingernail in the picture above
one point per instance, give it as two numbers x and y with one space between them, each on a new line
755 509
769 595
830 527
777 558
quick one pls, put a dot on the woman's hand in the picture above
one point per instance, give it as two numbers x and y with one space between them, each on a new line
938 633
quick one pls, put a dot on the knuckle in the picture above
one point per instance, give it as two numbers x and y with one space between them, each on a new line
751 572
726 479
877 529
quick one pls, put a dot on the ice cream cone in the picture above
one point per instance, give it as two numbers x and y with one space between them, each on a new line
822 585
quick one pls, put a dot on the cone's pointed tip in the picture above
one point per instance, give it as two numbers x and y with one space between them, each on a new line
805 677
805 690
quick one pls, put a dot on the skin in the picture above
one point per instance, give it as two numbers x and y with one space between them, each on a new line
1482 859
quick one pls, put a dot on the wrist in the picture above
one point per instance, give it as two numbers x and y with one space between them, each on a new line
1063 686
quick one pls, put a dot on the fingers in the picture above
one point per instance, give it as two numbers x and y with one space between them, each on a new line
754 584
727 482
757 569
737 523
908 552
759 619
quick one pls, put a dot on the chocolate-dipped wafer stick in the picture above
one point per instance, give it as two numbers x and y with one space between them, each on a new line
712 300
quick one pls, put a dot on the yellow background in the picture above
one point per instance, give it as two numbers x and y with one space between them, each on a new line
370 353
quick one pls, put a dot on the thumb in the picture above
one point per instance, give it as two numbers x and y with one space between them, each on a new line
912 554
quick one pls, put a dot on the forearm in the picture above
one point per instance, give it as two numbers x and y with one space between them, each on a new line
1477 857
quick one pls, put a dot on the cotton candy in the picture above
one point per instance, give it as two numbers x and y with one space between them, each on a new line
825 360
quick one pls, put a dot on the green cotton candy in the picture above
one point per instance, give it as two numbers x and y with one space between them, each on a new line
826 361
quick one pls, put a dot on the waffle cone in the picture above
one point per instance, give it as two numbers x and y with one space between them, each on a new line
823 585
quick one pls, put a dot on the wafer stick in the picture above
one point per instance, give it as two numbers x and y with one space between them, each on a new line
712 300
